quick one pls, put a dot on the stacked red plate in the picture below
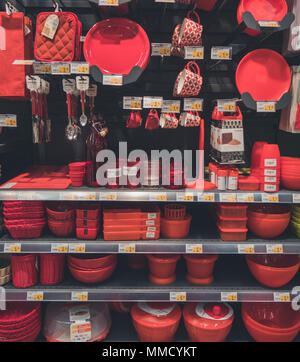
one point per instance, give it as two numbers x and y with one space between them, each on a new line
24 219
88 221
290 172
77 171
92 268
61 218
20 322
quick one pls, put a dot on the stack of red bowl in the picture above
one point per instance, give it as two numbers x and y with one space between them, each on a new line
20 322
24 219
61 219
290 172
88 221
77 171
270 168
92 268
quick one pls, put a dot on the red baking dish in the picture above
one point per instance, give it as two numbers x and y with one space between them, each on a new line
86 223
232 234
24 215
25 222
264 74
61 228
22 209
92 276
271 322
25 232
92 261
232 223
87 233
90 212
273 271
117 38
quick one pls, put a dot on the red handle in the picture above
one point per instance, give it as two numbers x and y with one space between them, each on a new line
191 13
33 101
40 105
193 67
69 104
82 94
45 106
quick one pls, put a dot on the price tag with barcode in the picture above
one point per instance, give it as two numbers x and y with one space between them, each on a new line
274 248
26 196
132 102
80 68
109 2
282 297
60 68
8 120
111 196
194 248
166 1
266 106
206 197
193 104
221 53
296 198
114 80
161 49
229 297
12 248
37 296
42 68
268 24
226 105
228 197
245 197
160 196
193 52
152 102
171 106
185 197
273 198
127 248
178 297
59 248
246 249
80 296
77 248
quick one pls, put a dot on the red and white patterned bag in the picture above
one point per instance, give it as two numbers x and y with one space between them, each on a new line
168 120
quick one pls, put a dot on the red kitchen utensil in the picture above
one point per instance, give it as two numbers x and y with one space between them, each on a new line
264 74
208 322
51 268
162 268
24 270
117 38
200 268
156 322
176 229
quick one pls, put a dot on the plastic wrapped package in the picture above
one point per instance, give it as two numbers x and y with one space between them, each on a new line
291 44
81 322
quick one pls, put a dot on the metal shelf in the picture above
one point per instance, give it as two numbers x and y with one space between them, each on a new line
147 194
231 276
200 237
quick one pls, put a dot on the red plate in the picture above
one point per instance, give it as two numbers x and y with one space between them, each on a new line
266 10
116 45
264 74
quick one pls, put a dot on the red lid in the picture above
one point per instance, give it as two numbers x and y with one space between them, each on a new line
222 172
233 172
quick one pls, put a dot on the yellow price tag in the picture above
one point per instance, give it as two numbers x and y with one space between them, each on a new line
161 197
249 250
83 69
232 298
285 298
174 108
209 198
38 297
80 249
130 249
196 107
277 249
91 197
181 297
11 122
112 2
82 297
274 198
155 104
223 54
249 199
62 249
165 51
229 107
15 248
231 198
136 104
111 197
269 107
198 54
46 68
188 198
115 81
197 249
63 69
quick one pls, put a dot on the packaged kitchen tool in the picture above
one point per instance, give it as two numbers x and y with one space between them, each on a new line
57 37
291 43
15 44
227 137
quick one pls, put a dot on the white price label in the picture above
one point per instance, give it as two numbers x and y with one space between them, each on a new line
152 102
80 296
178 297
132 103
27 196
246 249
12 248
8 120
112 196
274 248
226 105
109 2
245 197
23 62
221 53
206 197
80 68
282 297
36 296
296 198
158 196
127 248
269 24
228 197
161 49
78 196
114 80
266 107
229 297
274 198
166 1
193 104
194 248
171 106
193 52
82 82
77 248
60 68
42 68
69 85
185 197
59 248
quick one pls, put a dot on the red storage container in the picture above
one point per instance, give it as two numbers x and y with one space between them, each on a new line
24 270
210 322
232 223
232 234
156 322
86 223
232 210
91 212
87 233
162 268
52 268
200 268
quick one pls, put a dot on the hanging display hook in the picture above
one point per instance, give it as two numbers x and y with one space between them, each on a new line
9 8
56 5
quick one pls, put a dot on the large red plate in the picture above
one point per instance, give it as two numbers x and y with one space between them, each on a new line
263 9
116 45
264 74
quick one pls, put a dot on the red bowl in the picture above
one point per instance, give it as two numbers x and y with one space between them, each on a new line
267 228
271 322
290 183
93 276
62 228
92 261
273 271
